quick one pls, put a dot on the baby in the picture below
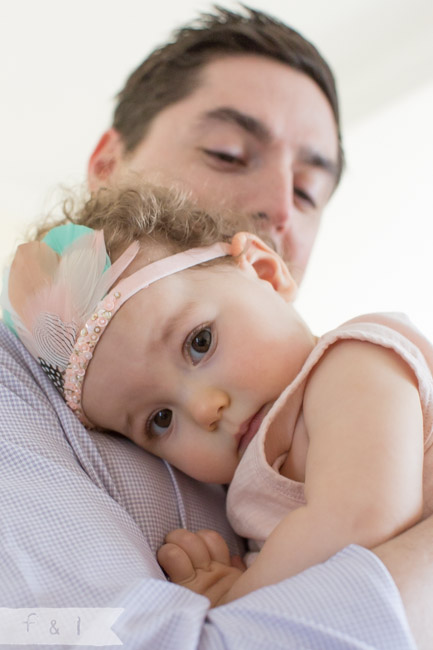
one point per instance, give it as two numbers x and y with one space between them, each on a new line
177 329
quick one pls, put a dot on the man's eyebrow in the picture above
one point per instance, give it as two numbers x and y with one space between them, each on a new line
260 131
246 122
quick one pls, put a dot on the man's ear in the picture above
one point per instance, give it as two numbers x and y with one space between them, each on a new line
104 159
254 255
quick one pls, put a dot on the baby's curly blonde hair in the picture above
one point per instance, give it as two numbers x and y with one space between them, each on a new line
148 213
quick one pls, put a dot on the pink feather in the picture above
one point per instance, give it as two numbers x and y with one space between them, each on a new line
52 296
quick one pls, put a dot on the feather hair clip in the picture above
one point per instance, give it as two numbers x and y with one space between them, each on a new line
47 296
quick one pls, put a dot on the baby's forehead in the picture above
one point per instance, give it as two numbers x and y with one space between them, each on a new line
172 299
168 306
157 303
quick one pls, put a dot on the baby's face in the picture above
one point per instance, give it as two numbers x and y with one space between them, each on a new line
189 367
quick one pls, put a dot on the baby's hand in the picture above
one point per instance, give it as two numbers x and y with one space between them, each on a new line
201 562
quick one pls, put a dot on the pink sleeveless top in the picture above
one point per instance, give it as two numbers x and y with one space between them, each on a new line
259 497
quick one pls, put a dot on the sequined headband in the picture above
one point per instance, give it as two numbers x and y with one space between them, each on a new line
52 287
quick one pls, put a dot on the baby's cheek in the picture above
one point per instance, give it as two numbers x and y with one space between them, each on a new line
257 370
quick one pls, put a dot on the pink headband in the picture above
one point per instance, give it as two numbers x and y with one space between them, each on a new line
51 290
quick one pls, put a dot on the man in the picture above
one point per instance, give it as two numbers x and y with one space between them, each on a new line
242 112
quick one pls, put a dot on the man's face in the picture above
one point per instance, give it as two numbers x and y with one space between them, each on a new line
255 136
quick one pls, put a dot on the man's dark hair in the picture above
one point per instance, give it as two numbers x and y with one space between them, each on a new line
171 72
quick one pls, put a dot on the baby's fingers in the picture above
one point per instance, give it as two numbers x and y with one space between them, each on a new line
216 546
193 545
176 563
201 562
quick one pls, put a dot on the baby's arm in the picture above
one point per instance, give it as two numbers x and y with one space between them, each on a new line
363 481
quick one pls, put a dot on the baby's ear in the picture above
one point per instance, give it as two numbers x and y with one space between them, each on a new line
253 254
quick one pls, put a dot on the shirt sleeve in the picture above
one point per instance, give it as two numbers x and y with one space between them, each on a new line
77 532
347 603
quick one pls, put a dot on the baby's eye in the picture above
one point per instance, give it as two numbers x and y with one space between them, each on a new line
198 344
158 423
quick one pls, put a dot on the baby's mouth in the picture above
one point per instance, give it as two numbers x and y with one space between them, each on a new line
250 427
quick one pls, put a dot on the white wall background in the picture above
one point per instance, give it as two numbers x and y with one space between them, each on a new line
61 64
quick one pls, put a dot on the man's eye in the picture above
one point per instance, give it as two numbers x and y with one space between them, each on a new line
304 196
225 157
198 344
158 423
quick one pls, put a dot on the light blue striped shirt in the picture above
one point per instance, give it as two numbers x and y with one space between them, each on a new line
83 513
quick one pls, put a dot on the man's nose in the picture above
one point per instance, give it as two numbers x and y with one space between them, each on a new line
275 204
207 405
